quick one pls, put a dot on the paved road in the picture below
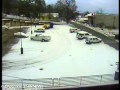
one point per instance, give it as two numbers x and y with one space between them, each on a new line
105 39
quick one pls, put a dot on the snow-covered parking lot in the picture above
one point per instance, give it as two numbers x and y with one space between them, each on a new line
63 56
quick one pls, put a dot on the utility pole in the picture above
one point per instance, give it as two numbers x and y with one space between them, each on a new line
31 26
31 23
21 48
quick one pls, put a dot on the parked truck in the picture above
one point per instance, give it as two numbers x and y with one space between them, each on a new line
74 30
40 30
40 37
46 26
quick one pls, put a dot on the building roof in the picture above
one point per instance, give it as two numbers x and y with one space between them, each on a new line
82 32
6 19
90 14
27 21
83 19
92 37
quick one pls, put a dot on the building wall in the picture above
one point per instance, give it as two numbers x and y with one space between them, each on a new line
91 20
53 14
4 22
14 23
107 20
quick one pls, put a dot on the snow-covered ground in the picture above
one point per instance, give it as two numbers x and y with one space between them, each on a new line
63 56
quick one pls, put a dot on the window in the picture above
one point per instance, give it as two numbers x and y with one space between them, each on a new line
86 34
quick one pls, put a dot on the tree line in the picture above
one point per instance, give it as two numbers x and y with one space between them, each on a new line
34 8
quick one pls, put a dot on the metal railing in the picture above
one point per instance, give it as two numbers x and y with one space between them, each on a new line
47 83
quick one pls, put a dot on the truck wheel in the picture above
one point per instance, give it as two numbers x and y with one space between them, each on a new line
43 40
89 43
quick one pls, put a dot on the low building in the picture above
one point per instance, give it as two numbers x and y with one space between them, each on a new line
109 21
103 20
91 17
53 14
83 20
6 21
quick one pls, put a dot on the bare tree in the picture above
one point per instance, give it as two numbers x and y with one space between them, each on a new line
100 11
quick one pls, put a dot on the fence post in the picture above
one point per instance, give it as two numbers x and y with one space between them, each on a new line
101 79
22 85
81 80
116 77
53 82
59 82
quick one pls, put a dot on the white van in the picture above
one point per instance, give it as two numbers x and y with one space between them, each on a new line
93 39
82 34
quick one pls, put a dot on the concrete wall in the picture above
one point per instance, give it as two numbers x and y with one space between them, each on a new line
107 20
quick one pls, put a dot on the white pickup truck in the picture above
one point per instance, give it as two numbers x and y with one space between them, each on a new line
40 37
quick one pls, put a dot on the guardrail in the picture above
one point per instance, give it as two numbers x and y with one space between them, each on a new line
48 83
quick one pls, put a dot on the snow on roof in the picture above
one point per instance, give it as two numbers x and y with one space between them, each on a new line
5 19
82 19
74 28
27 21
90 14
5 27
92 37
82 32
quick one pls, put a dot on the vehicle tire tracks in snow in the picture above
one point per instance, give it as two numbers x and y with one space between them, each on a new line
61 45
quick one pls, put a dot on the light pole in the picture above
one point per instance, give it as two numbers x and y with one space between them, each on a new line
31 25
31 17
21 48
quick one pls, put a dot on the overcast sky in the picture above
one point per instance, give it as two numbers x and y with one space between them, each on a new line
108 6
